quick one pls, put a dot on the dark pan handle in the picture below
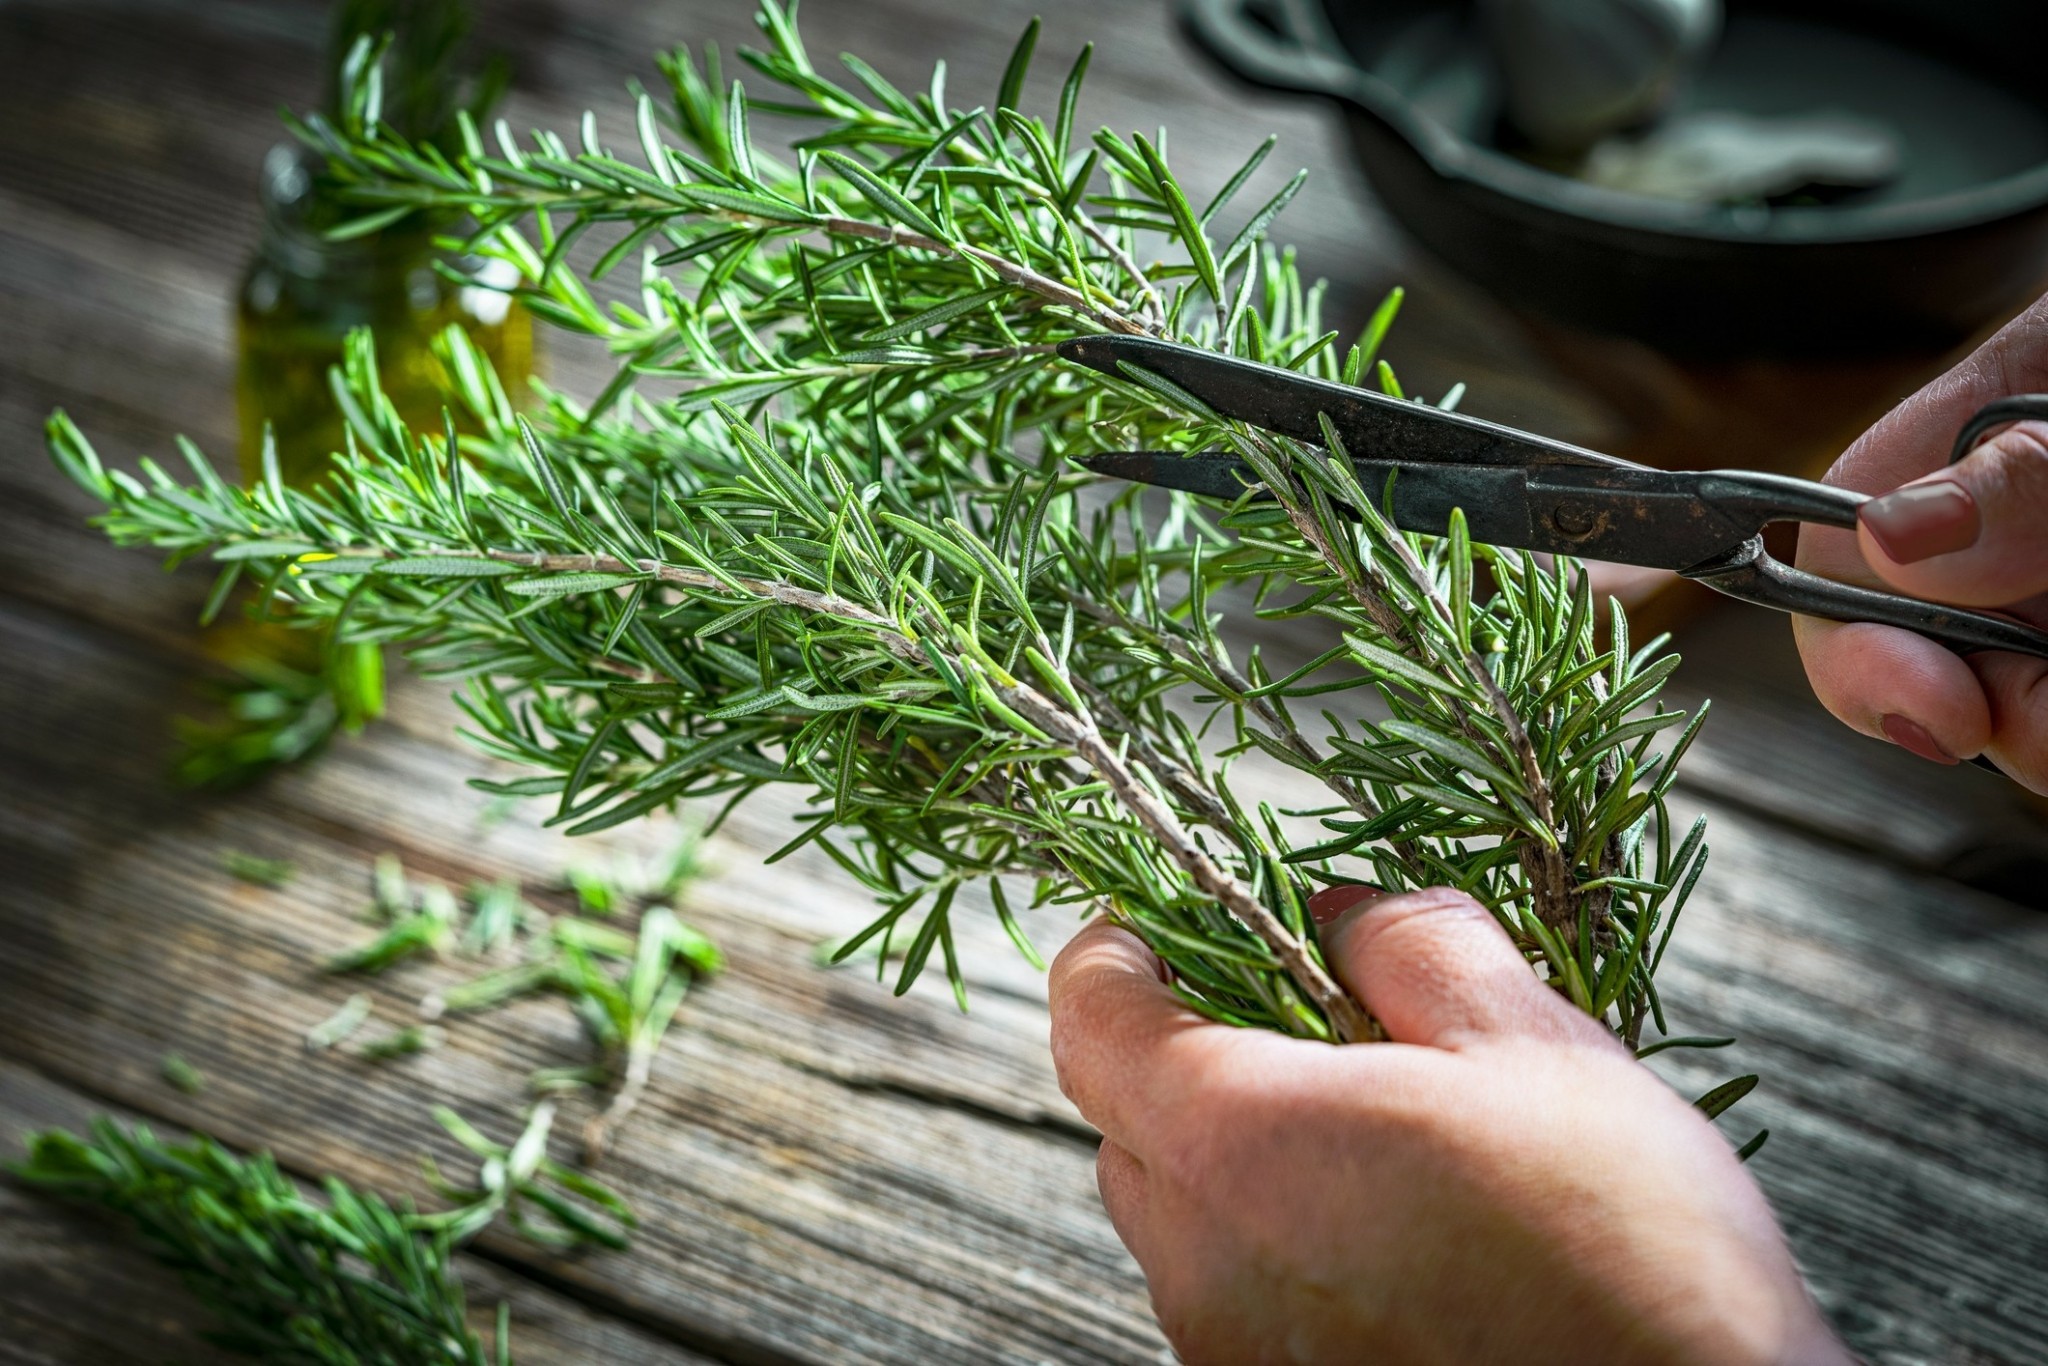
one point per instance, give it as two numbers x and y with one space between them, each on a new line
1288 45
1281 45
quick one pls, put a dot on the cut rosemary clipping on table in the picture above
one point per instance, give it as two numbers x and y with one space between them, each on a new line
824 527
352 1280
625 980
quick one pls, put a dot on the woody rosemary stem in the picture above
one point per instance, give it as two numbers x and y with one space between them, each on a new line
827 525
1078 732
1348 1020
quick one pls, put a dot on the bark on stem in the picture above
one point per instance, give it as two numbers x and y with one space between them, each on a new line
600 1128
1551 884
788 594
1348 1019
1148 297
1269 715
1004 269
1170 771
1550 879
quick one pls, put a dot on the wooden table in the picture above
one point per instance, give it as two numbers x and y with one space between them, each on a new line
827 1174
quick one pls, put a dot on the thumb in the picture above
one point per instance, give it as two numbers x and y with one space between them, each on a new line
1974 534
1435 969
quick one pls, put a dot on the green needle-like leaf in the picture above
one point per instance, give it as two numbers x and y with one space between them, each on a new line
827 524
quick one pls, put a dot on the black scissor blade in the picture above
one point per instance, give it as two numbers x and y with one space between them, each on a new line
1372 426
1211 474
1631 515
1495 498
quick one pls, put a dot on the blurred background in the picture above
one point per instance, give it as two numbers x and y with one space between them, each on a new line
833 1176
1765 327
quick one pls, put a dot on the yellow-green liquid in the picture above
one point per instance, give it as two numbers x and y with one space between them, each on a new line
292 327
294 313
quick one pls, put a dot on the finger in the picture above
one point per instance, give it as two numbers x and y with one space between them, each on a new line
1326 905
1891 684
1897 686
2018 689
1115 1023
1436 970
1914 437
1974 534
1121 1179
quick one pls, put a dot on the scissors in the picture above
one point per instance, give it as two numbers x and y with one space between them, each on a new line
1532 493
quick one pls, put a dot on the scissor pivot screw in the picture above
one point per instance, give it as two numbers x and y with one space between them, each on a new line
1577 522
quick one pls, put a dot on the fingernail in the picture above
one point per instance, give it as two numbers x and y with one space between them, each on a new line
1921 521
1910 735
1331 902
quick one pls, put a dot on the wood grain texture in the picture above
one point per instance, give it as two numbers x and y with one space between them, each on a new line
1774 750
64 1267
826 1173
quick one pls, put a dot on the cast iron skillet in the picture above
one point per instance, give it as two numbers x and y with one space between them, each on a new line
1960 240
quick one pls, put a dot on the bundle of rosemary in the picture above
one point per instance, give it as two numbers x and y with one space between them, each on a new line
824 527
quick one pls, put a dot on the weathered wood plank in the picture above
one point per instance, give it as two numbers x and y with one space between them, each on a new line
1898 1021
825 1174
829 1173
1771 748
64 1267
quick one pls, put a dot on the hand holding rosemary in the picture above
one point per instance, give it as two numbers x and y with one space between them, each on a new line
823 528
1500 1183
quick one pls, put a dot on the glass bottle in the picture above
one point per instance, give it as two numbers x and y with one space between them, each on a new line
301 296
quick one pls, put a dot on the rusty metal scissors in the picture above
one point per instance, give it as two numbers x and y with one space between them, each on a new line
1533 493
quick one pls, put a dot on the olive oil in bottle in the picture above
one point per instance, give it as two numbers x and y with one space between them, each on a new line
304 292
302 295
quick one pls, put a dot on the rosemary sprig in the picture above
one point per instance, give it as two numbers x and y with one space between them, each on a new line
626 988
293 1281
273 710
352 1282
823 527
541 1199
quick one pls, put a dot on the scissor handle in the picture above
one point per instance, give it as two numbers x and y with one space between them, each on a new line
1997 413
1779 498
1753 576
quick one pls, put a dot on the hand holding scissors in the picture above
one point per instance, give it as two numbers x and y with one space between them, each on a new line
1529 492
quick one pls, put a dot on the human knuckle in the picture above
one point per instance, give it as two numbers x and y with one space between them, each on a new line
1190 1156
1065 1076
2011 469
2018 692
1072 1028
1069 1057
2016 358
1418 911
1112 1172
1066 966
